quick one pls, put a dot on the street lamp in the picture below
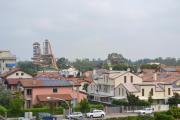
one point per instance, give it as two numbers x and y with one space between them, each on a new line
54 98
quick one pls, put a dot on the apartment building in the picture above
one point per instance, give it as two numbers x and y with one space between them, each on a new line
7 61
105 82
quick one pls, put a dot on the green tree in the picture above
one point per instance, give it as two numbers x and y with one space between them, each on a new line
16 104
63 63
175 100
28 67
132 99
84 106
85 87
5 97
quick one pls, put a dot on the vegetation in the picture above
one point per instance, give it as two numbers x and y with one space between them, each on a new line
148 66
28 67
84 106
63 63
85 87
5 97
3 110
175 100
132 100
120 102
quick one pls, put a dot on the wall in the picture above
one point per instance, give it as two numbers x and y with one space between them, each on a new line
128 75
61 90
19 75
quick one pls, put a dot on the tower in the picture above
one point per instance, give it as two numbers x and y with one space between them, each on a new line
36 52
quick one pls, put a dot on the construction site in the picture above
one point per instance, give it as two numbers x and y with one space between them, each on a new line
45 57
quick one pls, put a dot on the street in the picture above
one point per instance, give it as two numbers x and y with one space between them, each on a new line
106 117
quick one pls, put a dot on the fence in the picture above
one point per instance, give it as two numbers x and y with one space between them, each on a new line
127 109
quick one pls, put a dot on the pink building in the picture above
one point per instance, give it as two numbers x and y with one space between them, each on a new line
36 91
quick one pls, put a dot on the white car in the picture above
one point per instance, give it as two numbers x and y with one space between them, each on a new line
146 111
75 115
96 113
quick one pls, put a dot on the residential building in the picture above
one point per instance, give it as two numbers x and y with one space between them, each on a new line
36 91
7 61
159 91
11 78
71 72
105 82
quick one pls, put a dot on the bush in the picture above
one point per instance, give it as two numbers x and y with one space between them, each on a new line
145 117
143 103
161 116
96 106
35 111
175 112
3 110
120 102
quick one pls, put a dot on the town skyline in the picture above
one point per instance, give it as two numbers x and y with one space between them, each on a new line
92 29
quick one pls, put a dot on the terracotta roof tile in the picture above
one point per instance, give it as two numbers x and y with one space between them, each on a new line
54 97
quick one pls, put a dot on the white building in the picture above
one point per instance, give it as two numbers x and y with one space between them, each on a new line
71 72
105 83
117 84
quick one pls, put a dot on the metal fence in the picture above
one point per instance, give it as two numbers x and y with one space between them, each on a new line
132 109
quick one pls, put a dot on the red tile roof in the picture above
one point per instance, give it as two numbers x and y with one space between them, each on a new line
13 81
54 97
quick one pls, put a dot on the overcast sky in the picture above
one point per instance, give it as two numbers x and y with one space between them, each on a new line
92 28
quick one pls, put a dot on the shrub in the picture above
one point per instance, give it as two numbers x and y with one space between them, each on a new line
120 102
145 117
175 112
161 116
96 106
35 111
3 110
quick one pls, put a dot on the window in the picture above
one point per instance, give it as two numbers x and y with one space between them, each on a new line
55 90
151 93
122 92
29 91
169 91
131 79
142 92
28 103
124 79
119 91
17 74
22 74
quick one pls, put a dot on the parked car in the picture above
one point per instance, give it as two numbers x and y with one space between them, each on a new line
145 111
96 113
75 115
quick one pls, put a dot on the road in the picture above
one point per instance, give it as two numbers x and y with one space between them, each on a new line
106 117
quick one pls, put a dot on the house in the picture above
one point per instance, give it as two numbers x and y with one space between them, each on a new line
36 91
102 89
11 78
159 91
7 61
71 72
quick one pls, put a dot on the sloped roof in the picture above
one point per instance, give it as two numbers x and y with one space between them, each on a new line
6 74
54 97
130 87
46 83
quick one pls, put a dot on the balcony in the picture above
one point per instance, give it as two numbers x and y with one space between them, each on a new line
100 93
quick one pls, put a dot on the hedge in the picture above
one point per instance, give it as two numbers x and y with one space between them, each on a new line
35 111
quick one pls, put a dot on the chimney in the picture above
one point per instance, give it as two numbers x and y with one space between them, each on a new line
155 77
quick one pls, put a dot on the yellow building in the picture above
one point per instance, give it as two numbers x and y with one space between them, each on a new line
7 61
